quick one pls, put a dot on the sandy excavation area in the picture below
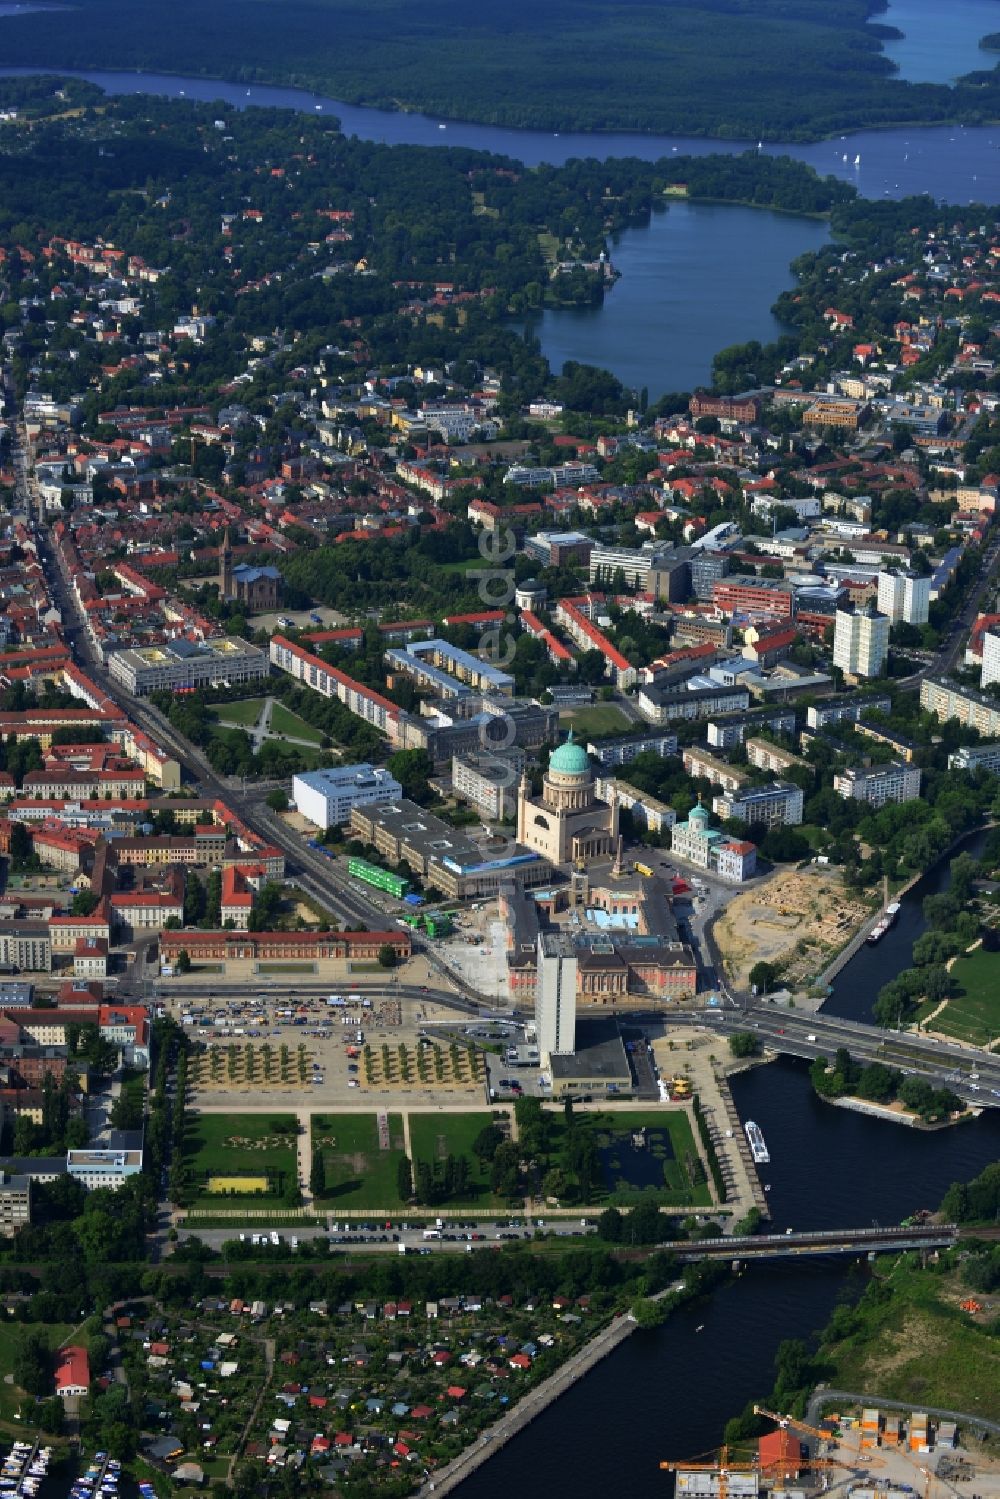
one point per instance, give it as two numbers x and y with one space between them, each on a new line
798 920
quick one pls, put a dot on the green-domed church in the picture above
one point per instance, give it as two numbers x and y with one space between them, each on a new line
567 823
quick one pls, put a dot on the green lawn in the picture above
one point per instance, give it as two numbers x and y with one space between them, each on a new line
434 1136
235 1145
283 721
290 967
595 721
359 1174
243 713
974 1013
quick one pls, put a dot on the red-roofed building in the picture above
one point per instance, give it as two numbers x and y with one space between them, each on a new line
768 650
780 1455
589 638
72 1371
90 958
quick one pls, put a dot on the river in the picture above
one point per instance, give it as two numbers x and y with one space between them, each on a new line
670 1392
954 164
856 987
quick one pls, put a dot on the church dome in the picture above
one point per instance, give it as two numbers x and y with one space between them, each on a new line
570 759
699 814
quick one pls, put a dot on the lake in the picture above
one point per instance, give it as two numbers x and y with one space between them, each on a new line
930 52
696 278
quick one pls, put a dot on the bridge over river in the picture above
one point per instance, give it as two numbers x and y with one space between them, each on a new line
854 1241
972 1073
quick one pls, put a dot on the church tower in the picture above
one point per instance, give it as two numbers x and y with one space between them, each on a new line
226 567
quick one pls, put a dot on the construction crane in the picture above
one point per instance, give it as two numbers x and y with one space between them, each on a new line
928 1474
722 1466
812 1431
821 1436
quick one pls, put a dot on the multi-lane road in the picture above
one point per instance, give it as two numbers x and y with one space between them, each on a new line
973 1074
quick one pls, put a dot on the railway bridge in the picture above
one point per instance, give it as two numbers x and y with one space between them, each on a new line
855 1241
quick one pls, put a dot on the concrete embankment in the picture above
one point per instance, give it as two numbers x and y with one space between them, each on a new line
858 940
735 1147
533 1404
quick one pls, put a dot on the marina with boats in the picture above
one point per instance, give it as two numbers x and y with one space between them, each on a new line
24 1470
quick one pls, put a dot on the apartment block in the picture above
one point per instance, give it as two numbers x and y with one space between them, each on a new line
879 784
777 805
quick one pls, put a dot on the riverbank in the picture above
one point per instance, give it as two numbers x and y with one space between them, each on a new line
910 1338
534 1404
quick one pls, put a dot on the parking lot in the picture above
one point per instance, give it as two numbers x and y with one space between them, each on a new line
421 1236
332 1029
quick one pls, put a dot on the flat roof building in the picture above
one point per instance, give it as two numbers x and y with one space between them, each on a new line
180 665
555 995
327 797
777 805
879 784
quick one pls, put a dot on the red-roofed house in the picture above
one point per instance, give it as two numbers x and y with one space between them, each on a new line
72 1371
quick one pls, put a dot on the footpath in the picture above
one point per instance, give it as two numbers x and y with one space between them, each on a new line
532 1405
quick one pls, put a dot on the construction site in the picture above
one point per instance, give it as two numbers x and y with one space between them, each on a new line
798 921
873 1454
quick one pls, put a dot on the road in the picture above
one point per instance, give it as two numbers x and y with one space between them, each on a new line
344 1235
973 1074
823 1394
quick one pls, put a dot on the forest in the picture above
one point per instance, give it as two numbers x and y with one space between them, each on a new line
696 67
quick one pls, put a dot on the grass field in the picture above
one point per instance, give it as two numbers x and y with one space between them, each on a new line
359 1174
974 1013
286 967
243 713
594 721
54 1333
237 1144
434 1136
285 722
917 1345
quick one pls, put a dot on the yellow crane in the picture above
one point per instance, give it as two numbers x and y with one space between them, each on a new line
724 1467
